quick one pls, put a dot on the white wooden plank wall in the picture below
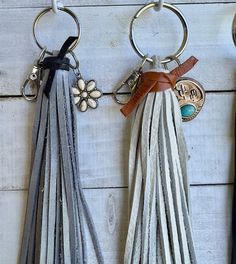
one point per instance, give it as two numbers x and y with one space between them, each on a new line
105 54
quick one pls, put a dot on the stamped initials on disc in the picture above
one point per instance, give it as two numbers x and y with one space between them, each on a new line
191 97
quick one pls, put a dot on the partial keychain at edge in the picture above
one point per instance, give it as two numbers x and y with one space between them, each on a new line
233 255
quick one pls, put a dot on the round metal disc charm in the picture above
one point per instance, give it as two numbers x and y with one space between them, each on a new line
191 97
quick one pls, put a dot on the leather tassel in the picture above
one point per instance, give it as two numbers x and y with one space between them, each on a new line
159 225
57 211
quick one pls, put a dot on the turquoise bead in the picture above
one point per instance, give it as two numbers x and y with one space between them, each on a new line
188 110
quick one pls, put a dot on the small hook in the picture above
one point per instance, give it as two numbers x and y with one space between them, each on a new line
56 5
130 82
159 5
34 86
33 79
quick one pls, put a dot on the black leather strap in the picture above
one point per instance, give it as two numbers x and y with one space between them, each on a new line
57 62
54 63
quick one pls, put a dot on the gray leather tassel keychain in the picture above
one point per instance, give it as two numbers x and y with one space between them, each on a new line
57 211
159 230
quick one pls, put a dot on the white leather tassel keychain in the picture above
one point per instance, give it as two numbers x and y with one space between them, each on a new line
57 212
159 226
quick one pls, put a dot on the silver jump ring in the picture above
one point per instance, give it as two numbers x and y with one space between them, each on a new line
76 66
185 31
63 9
172 58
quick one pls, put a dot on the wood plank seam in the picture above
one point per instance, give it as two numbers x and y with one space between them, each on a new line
124 93
126 187
120 5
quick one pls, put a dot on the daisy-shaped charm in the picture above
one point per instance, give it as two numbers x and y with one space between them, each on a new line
86 95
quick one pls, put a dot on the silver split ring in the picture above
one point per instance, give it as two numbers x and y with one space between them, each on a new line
185 31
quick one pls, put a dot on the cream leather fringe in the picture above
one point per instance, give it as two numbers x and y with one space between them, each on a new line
159 226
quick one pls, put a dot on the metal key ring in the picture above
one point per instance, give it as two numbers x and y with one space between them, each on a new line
185 31
45 11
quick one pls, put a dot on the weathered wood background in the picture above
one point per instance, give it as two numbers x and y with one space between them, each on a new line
106 55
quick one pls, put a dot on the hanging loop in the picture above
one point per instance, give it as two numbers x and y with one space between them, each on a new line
185 31
159 5
56 5
63 9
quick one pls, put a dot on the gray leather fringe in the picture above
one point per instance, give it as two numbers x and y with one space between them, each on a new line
159 227
57 211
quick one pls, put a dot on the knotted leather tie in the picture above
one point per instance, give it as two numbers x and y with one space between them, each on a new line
156 82
58 62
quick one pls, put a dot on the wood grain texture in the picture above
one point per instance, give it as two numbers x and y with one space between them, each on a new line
211 220
211 227
46 3
104 143
106 54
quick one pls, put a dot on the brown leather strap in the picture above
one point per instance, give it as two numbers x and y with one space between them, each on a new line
156 82
185 67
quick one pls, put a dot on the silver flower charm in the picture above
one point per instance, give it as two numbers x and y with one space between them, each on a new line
86 95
